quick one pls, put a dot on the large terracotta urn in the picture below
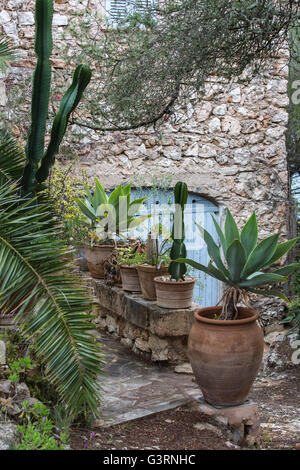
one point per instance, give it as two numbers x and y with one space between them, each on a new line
225 354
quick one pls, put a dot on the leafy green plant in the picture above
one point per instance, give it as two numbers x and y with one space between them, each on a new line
34 411
19 367
133 255
21 350
245 259
157 251
64 188
38 161
111 215
39 432
178 250
293 317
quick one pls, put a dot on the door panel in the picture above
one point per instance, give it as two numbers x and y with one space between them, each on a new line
198 210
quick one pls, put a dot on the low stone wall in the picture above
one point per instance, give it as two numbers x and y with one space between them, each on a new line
149 331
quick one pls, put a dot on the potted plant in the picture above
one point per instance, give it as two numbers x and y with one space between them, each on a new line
108 218
176 290
156 264
128 259
225 343
63 189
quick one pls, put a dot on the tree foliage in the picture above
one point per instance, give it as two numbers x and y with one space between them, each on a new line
149 60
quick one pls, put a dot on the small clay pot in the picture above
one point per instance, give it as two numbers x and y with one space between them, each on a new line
174 294
130 279
95 259
147 273
225 354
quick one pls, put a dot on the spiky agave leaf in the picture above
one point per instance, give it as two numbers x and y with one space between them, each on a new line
51 304
245 258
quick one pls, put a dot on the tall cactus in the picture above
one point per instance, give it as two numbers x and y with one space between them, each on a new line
39 163
178 250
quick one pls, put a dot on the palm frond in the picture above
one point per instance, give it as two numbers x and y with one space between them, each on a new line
12 158
7 52
51 304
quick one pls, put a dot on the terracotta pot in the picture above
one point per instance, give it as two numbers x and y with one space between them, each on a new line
130 279
81 259
95 258
174 294
147 273
225 355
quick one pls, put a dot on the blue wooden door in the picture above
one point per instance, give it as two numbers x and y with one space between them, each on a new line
198 210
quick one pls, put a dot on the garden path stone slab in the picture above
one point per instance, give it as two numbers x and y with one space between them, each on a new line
133 388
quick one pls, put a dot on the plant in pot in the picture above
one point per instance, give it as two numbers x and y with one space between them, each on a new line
63 189
156 264
129 258
109 218
226 343
176 290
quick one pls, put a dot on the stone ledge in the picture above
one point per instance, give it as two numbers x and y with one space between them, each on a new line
151 332
143 313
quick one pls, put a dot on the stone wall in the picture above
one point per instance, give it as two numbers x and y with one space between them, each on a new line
228 146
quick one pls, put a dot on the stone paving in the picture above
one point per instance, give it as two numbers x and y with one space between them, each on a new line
133 388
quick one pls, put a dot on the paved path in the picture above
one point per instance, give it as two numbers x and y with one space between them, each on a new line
133 388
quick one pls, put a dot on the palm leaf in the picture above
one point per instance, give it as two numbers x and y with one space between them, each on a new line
7 53
12 158
32 271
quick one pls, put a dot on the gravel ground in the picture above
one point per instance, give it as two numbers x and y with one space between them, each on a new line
186 428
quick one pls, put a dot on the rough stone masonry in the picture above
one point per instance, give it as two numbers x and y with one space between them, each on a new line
228 146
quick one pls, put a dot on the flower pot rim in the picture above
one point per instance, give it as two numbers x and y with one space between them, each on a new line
150 267
126 266
174 283
250 316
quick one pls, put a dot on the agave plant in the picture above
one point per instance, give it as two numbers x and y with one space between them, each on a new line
242 262
50 305
39 161
114 214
